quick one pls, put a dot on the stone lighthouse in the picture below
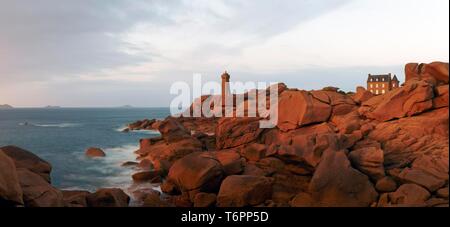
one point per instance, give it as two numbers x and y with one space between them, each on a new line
225 88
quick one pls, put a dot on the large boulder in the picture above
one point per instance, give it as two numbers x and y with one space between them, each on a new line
422 178
196 172
94 152
75 198
37 192
362 95
369 161
146 176
108 197
10 190
25 159
172 130
347 123
308 109
162 154
234 132
414 98
340 102
231 161
409 194
435 72
336 183
254 152
386 184
304 145
242 190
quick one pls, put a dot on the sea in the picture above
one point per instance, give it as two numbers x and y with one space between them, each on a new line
61 136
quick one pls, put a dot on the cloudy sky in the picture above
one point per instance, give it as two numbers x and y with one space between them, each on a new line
111 53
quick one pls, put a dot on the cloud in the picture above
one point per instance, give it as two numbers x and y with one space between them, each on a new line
48 38
127 50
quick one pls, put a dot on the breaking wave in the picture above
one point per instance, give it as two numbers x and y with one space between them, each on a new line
58 125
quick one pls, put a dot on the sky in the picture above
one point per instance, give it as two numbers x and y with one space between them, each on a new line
91 53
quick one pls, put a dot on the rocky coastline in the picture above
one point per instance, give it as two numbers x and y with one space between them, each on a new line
329 149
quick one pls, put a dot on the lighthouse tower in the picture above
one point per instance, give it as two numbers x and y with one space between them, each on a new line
225 91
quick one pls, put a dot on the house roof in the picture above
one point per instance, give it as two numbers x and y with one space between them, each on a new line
380 78
395 78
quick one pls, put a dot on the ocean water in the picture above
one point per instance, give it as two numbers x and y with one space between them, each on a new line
61 136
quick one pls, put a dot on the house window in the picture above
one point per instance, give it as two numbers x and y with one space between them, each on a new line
371 91
376 85
376 92
382 85
371 85
383 91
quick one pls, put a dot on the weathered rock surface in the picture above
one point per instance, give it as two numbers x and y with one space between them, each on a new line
421 178
435 72
336 183
10 190
362 95
409 194
25 159
414 98
196 172
94 152
150 176
234 132
75 198
205 199
386 184
241 191
308 109
37 192
369 161
108 197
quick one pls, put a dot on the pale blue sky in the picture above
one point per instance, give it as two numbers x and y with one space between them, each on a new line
112 53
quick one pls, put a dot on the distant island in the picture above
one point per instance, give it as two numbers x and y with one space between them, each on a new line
126 106
52 107
6 106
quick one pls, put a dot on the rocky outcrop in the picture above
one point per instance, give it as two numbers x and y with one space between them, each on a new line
10 190
25 181
145 124
196 172
414 98
147 176
435 73
25 159
235 132
308 109
329 149
362 95
336 183
409 194
94 152
37 192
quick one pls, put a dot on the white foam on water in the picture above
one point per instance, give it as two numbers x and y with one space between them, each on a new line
108 171
56 125
147 132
